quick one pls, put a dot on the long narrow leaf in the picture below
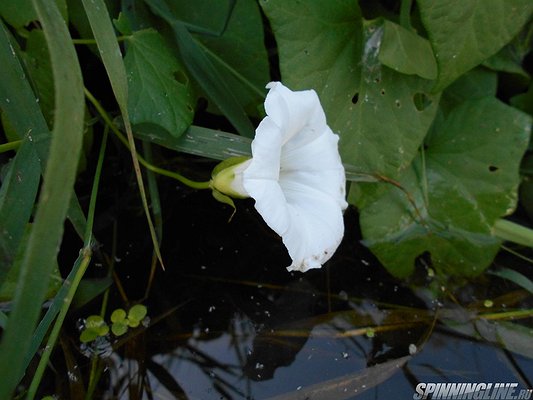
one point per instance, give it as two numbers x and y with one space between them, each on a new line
514 276
204 142
54 199
112 58
17 195
20 108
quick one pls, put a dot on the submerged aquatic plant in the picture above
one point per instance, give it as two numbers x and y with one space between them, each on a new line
295 176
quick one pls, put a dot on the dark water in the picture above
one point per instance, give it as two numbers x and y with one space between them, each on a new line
227 321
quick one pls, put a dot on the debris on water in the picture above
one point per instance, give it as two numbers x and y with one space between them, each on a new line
145 322
100 347
72 376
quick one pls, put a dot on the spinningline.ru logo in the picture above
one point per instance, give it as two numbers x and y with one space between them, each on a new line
477 391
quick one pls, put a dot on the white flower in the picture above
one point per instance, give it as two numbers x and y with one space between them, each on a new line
296 176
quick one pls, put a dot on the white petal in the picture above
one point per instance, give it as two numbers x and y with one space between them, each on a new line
266 151
293 111
318 164
296 176
270 202
316 226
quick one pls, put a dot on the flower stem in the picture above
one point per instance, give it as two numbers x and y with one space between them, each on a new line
105 116
405 14
10 146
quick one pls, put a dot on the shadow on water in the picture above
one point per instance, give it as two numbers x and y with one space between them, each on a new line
227 321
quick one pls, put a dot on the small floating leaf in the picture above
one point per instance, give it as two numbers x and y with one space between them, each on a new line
137 313
119 328
119 315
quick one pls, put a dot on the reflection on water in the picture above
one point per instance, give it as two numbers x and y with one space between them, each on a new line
228 322
226 365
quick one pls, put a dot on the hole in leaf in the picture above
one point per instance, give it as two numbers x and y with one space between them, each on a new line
493 168
306 52
421 101
377 80
355 98
398 104
382 92
180 77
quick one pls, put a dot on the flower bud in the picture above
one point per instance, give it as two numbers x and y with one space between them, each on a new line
227 177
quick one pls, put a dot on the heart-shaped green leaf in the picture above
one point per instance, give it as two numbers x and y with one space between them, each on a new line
406 52
460 187
463 33
381 115
159 90
231 33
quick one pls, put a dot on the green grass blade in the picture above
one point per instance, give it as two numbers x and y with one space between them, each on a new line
153 189
513 232
70 286
54 199
76 216
106 40
204 72
205 142
19 107
17 195
3 320
515 277
17 99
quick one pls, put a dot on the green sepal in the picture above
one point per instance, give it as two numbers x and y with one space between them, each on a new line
223 176
222 198
228 162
